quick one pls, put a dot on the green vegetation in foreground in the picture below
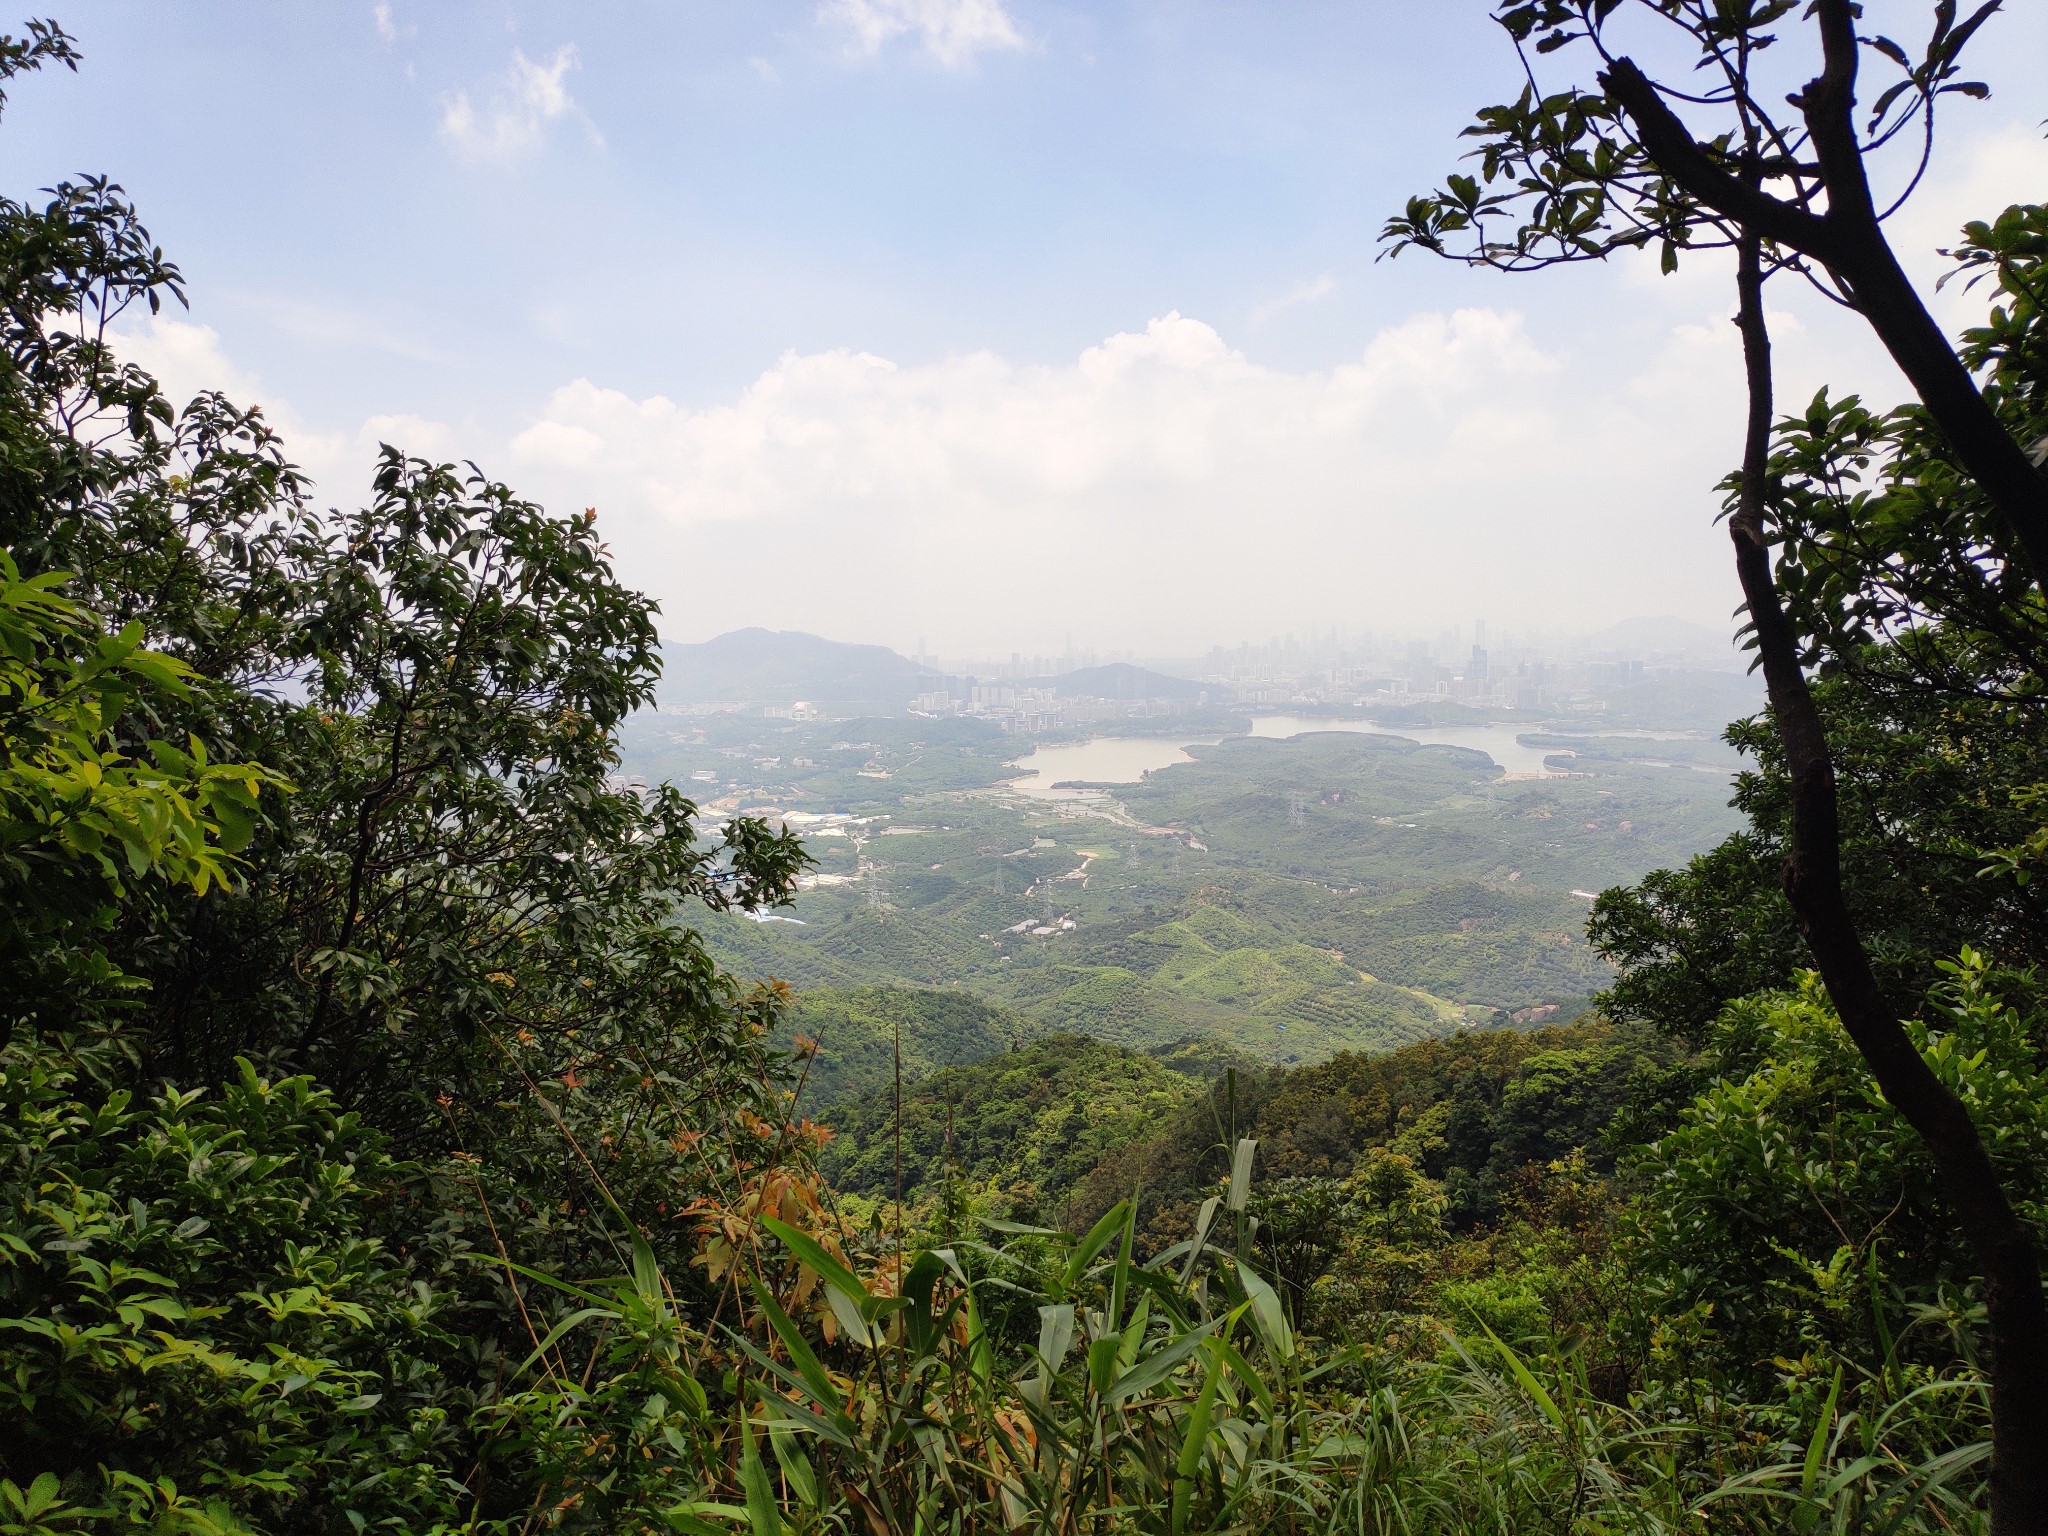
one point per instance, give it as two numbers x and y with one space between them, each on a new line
383 1148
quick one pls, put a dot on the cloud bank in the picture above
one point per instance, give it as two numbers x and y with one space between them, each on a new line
1162 490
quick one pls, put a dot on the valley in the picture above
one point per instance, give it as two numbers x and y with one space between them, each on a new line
1275 898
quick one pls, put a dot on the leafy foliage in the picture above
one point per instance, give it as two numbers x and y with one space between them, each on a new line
1028 1122
384 1148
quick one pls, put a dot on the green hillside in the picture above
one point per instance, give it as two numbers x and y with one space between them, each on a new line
1287 899
856 1031
1031 1121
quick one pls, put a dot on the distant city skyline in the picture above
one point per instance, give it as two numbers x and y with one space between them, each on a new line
970 319
1639 635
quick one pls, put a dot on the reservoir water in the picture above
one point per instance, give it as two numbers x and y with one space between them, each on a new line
1127 759
1105 760
1496 741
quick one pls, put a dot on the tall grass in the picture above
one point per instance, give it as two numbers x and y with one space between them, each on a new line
1018 1379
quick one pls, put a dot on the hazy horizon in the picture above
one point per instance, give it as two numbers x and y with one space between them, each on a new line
1641 633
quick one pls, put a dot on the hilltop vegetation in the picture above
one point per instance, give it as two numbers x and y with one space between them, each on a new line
401 1110
853 1038
1026 1124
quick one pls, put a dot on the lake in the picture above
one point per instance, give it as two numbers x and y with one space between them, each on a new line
1496 741
1105 760
1127 759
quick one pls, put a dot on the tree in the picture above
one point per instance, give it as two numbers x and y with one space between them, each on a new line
439 675
1593 172
312 841
87 817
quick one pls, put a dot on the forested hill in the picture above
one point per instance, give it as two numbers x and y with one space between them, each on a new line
857 1039
1064 1127
763 666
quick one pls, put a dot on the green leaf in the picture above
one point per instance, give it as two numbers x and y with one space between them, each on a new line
1155 1368
1241 1172
762 1514
1528 1381
1267 1313
1817 1446
795 1465
812 1255
800 1353
1098 1238
1055 1335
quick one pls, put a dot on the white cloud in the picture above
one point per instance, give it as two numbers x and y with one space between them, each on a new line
1301 293
387 27
1162 489
951 32
185 359
515 119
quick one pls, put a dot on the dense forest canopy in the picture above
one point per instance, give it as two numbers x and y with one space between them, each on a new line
384 1148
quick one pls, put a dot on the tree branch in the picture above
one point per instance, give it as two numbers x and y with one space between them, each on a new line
1678 155
1850 241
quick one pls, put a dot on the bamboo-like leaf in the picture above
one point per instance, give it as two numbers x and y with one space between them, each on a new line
1241 1368
812 1255
981 1356
1810 1473
796 1466
1098 1238
800 1352
1189 1461
839 1433
1055 1335
1204 1219
1022 1229
1241 1172
1153 1369
1120 1278
1529 1383
688 1518
762 1515
1102 1354
1267 1314
580 1315
535 1274
647 1272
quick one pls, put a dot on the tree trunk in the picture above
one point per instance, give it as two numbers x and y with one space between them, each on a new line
2017 1322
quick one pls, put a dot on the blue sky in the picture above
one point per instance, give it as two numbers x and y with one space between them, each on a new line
983 321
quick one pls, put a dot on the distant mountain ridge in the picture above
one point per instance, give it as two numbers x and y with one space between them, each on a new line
768 666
